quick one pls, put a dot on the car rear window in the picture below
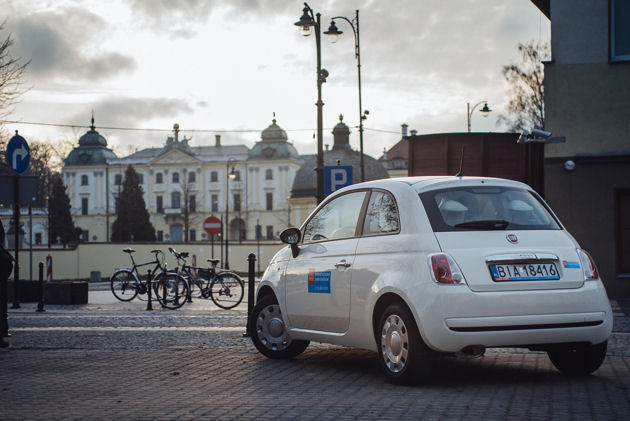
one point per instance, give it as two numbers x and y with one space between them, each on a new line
486 208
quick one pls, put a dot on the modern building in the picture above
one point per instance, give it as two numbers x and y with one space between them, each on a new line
587 100
184 184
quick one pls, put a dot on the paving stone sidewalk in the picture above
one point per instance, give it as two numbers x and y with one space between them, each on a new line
111 360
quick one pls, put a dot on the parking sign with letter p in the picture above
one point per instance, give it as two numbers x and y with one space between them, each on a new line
336 177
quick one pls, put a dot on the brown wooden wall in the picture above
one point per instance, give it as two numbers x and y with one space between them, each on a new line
485 154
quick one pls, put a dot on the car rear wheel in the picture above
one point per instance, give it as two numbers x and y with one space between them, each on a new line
269 333
578 359
403 356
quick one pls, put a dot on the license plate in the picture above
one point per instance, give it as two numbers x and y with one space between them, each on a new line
524 272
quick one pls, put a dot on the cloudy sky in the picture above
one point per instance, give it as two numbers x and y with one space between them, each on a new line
225 66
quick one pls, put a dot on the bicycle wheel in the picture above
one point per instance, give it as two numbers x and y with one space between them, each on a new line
227 290
171 290
124 285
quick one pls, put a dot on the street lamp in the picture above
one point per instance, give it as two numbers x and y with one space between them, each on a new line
229 175
333 35
484 111
307 22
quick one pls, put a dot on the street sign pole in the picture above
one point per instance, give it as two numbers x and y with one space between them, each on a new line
18 156
16 242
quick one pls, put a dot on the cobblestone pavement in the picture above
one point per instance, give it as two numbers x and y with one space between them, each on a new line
112 360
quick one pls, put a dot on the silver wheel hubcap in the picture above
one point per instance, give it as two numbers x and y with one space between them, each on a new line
270 328
394 343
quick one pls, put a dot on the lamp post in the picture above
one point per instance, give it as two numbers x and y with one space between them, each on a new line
484 111
306 23
228 175
333 35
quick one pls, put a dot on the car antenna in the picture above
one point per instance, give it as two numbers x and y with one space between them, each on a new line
461 164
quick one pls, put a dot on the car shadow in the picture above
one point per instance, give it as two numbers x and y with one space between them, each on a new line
347 364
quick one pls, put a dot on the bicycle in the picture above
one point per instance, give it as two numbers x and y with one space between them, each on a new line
169 288
225 288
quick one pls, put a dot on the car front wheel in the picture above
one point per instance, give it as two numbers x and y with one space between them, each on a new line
269 333
403 356
578 359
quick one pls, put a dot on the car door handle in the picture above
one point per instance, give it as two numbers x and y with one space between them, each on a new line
342 264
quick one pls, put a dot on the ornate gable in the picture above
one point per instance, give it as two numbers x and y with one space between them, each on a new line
175 156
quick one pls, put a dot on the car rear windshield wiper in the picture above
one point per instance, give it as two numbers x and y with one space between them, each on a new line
494 224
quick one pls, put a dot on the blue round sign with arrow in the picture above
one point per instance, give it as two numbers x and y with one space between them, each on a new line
18 154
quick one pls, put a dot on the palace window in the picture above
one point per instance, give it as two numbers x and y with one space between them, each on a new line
269 197
175 200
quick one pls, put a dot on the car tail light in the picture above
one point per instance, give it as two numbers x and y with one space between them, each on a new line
445 270
588 266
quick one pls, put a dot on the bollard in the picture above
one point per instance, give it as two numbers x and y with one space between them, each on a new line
190 283
251 280
49 268
149 288
40 302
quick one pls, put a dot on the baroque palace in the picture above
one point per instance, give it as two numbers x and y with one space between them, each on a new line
254 183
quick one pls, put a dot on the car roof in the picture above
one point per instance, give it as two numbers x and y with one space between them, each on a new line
424 183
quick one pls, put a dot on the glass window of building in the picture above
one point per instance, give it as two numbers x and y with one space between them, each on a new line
84 206
159 204
140 178
214 176
192 203
215 202
175 177
84 180
269 200
269 174
118 179
175 200
192 176
619 30
269 232
237 202
159 178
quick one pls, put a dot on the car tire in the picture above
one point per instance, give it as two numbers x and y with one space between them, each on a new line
403 355
578 359
268 331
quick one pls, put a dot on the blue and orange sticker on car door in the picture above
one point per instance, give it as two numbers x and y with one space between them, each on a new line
319 282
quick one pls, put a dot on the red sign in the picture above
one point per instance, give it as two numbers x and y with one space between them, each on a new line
212 225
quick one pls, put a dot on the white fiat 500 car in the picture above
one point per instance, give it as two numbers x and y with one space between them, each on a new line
415 267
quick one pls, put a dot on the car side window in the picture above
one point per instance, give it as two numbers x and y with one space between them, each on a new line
337 219
382 215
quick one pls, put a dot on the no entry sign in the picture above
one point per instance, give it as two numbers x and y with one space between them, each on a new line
212 225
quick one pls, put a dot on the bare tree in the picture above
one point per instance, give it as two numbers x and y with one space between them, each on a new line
11 76
525 109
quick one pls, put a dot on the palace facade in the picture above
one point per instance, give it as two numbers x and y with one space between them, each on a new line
184 184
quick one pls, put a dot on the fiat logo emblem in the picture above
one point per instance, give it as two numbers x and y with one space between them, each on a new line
512 238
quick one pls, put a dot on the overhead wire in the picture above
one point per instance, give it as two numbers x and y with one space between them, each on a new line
78 126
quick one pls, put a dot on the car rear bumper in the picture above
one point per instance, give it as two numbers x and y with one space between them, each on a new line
458 317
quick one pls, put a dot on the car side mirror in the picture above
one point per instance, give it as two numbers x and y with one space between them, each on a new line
292 237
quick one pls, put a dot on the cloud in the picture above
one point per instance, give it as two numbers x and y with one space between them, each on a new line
181 18
132 112
65 45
